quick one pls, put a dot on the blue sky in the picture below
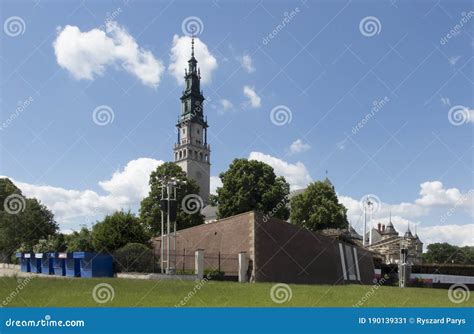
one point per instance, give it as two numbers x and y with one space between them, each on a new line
323 65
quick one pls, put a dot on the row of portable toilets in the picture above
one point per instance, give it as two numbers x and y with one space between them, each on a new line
76 264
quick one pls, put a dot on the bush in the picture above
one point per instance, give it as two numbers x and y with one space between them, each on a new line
134 257
214 274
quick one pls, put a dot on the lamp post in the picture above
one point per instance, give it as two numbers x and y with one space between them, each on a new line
402 266
168 205
368 203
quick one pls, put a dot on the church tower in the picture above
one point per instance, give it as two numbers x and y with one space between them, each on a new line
192 152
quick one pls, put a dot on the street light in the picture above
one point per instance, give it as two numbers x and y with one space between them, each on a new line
168 205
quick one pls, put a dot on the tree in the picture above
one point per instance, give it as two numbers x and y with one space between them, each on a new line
441 253
134 257
318 208
23 221
252 185
54 243
186 193
117 230
80 241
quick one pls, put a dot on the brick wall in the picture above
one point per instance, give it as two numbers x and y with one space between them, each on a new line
291 254
278 251
228 236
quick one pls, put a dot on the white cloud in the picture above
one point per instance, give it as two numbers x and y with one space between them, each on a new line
461 235
298 146
247 63
181 52
225 105
453 60
124 190
433 194
87 55
295 174
254 100
215 183
132 181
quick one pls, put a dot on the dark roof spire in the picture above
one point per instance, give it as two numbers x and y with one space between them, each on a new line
192 46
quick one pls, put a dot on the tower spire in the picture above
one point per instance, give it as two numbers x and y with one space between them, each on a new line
192 46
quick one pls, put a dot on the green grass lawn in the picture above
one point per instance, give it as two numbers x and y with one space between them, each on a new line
51 292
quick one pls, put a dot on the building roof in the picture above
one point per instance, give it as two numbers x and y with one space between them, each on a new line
390 230
209 212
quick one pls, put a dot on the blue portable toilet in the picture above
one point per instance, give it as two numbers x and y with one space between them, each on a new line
24 262
35 262
72 266
95 264
58 263
47 264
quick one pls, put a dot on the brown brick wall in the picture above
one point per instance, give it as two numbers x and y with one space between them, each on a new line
278 251
291 254
228 236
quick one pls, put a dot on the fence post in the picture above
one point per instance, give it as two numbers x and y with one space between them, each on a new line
184 259
199 263
243 267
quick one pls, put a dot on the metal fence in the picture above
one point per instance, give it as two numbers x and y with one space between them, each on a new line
183 261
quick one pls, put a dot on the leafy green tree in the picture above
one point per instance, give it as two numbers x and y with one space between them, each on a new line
134 257
441 253
150 212
23 221
54 243
318 208
117 230
80 241
252 185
